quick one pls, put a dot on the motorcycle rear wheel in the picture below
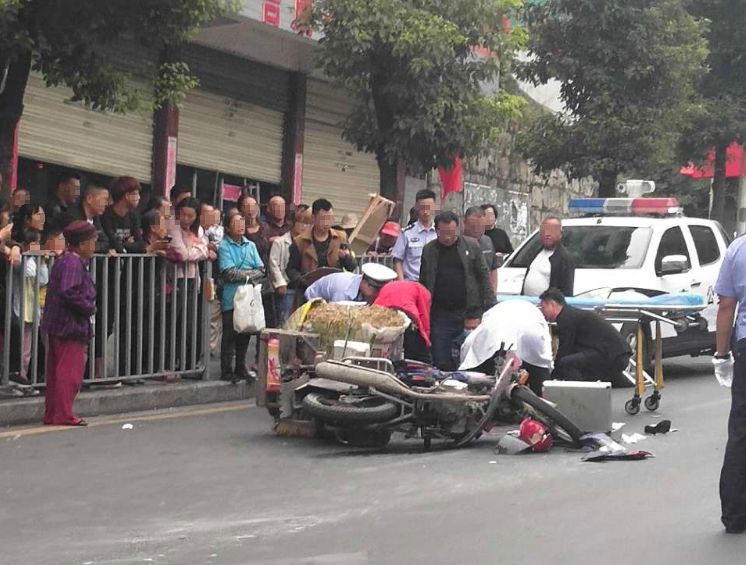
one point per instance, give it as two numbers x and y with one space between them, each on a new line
559 424
368 410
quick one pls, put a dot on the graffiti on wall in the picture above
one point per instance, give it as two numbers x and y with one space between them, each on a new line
512 208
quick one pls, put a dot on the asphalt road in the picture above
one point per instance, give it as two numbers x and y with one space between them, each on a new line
215 485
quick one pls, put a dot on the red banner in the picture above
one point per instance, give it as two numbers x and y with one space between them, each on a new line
735 166
452 180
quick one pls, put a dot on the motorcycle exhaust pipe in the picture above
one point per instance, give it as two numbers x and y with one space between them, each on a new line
384 382
362 377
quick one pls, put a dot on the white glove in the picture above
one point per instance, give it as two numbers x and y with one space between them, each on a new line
724 370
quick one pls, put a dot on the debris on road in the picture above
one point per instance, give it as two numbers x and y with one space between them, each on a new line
633 438
606 449
127 427
662 427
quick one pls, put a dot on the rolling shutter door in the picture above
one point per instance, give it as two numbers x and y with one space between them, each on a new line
61 132
219 133
332 168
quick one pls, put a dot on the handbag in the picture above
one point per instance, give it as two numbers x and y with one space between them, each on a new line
248 309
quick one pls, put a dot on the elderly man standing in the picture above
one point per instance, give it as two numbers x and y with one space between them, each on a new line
553 266
407 252
454 271
732 292
277 221
474 228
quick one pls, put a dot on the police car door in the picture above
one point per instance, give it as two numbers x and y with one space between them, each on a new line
709 251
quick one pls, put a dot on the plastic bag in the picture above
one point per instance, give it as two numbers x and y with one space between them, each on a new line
248 309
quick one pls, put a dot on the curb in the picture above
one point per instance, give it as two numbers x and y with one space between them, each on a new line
152 396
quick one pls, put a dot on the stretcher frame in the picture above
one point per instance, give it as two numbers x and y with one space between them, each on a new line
676 316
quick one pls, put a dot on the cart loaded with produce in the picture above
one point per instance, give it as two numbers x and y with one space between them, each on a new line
337 370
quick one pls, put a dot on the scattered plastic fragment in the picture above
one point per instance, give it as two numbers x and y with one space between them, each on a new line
632 438
127 427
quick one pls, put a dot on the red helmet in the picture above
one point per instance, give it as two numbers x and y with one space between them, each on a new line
536 435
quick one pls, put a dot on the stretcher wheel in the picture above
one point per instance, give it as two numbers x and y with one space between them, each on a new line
652 403
632 406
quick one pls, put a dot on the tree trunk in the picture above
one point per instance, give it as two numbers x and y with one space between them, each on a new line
385 121
11 109
718 182
388 178
607 184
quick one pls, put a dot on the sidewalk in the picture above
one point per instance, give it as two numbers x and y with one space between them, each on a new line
153 395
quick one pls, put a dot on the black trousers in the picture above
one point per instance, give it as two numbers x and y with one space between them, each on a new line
589 366
415 347
733 474
233 347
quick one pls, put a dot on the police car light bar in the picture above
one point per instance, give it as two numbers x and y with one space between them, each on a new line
625 206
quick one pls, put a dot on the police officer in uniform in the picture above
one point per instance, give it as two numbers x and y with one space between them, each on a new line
340 287
732 292
407 251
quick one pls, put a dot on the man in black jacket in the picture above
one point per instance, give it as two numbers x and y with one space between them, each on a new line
590 348
66 194
454 271
553 267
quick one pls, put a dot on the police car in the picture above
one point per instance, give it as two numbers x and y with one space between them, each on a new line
640 244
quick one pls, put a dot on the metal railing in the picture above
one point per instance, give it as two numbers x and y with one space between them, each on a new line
152 321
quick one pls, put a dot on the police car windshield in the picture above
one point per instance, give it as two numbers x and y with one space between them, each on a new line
596 247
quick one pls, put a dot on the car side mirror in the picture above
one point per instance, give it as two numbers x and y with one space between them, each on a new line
674 264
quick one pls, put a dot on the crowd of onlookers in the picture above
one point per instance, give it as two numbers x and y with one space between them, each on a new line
284 249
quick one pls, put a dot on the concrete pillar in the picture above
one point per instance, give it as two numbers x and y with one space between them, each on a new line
294 138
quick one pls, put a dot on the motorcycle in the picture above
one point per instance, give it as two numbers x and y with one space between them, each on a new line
363 401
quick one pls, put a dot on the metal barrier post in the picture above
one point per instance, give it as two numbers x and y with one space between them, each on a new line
140 313
128 320
117 314
174 309
206 313
33 370
7 324
93 270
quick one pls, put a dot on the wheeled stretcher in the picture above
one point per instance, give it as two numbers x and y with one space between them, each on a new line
680 310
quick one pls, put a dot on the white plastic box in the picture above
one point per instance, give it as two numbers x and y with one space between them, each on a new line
353 349
587 404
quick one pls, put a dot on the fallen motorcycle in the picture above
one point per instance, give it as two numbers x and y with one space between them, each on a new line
363 401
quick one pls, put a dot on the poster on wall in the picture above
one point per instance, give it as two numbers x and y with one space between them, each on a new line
512 208
170 164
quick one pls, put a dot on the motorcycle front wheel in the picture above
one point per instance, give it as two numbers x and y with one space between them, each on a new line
559 424
363 410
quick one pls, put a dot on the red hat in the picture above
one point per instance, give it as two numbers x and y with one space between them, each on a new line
391 228
78 232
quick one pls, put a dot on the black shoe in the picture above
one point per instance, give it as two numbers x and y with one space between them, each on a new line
662 427
228 376
735 528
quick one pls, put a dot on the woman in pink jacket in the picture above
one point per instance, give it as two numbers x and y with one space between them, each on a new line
188 248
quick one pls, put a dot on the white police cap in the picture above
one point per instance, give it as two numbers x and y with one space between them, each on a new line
377 274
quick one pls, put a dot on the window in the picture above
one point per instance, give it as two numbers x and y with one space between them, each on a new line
672 243
706 244
596 247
